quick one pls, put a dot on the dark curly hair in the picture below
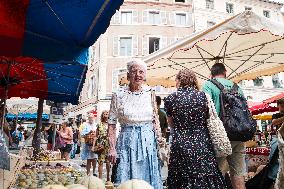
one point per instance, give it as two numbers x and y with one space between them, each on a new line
187 78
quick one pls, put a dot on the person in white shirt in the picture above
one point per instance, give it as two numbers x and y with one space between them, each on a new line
89 128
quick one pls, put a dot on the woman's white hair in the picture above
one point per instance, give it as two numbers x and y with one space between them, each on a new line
136 62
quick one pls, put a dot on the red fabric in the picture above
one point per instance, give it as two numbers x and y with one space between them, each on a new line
258 108
28 76
274 98
12 26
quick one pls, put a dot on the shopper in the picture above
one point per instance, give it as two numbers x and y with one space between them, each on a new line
236 161
192 159
50 132
102 145
66 135
162 117
88 133
134 107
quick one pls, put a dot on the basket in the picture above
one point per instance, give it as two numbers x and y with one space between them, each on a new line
8 177
89 138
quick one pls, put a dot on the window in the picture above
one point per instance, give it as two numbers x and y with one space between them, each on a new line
276 81
116 73
126 17
229 8
180 1
248 8
154 44
125 46
266 14
92 87
210 4
180 19
154 17
210 24
258 82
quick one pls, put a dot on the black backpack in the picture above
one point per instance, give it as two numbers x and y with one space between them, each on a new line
236 117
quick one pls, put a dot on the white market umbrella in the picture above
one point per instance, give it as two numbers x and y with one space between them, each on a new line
247 44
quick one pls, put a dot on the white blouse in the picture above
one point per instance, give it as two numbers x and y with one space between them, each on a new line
130 108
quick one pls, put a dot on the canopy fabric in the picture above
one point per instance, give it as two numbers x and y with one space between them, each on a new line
247 44
30 105
57 81
26 116
262 108
274 99
44 45
53 30
263 117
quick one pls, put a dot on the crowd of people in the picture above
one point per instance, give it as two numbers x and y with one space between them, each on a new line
139 151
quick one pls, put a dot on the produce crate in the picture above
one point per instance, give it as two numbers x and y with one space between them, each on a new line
8 177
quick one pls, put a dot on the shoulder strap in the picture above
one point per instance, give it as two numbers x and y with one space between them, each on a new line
217 83
235 88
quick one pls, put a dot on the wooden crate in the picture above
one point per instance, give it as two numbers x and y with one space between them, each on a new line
8 177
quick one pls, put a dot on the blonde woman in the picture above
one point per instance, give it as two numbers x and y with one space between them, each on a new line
102 142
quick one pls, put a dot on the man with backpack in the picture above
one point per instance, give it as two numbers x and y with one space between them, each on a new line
232 109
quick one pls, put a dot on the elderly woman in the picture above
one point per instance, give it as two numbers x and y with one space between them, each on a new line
192 160
134 108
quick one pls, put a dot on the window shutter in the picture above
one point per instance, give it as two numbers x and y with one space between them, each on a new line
115 18
171 40
115 46
145 17
163 42
135 17
135 46
145 46
163 17
172 18
90 87
189 19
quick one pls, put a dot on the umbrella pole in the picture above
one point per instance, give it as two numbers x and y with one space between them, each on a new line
6 96
37 133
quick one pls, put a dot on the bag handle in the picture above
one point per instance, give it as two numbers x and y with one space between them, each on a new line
211 106
155 118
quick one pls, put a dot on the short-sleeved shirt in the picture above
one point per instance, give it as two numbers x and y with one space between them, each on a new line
277 116
130 108
163 119
215 92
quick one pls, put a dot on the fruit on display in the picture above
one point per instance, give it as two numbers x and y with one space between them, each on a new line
92 182
46 155
39 177
54 187
135 184
109 185
76 186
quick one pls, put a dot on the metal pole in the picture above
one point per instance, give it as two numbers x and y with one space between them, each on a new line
6 96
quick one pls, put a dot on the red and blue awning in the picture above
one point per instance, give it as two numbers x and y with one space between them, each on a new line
46 42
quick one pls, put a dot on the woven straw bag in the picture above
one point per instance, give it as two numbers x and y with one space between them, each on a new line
218 134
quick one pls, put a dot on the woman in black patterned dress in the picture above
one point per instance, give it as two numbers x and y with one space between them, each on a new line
193 163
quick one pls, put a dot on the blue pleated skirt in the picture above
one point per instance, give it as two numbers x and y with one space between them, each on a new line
137 155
